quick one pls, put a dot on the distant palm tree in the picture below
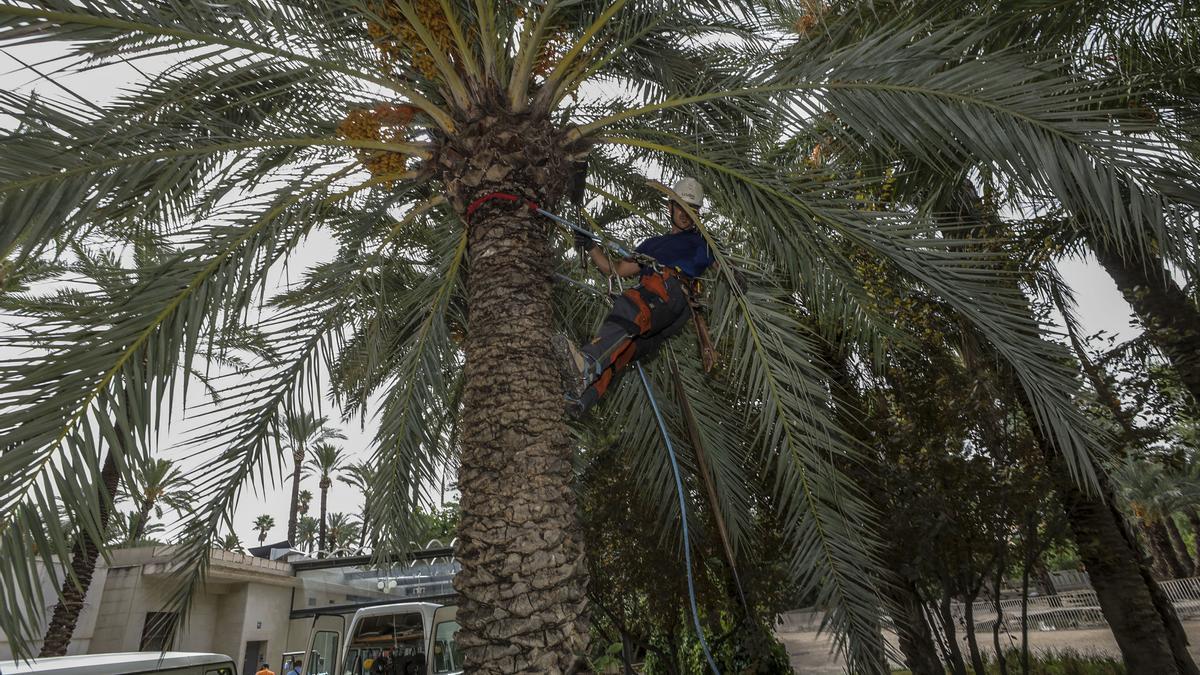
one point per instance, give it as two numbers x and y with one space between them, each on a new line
158 483
324 460
361 476
263 525
306 533
130 529
230 542
304 502
301 431
342 532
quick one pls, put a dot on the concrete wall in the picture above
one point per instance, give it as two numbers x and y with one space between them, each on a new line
85 628
245 600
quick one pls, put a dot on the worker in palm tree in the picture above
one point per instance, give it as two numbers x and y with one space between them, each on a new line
644 316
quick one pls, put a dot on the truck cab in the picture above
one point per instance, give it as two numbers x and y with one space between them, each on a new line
407 638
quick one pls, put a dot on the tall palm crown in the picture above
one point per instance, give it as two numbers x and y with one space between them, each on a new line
303 430
260 134
159 484
263 525
324 461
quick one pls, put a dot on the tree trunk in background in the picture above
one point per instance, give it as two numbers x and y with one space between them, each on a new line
1158 561
1171 319
1161 538
913 633
1180 546
144 510
972 643
1193 518
1147 630
956 657
83 565
298 461
522 589
323 525
1143 621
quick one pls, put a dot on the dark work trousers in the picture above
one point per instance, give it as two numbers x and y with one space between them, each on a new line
642 318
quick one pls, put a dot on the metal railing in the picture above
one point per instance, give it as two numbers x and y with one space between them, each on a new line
1066 611
1062 611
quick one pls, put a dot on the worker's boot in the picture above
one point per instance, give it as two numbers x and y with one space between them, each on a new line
573 369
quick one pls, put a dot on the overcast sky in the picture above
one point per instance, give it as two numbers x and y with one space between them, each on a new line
1100 305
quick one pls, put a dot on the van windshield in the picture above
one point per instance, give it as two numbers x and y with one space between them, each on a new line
388 644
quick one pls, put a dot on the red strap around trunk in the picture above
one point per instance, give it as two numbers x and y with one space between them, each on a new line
475 205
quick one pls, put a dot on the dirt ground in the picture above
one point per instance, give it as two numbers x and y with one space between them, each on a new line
811 656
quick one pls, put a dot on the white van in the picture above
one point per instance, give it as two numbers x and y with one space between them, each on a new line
411 638
125 663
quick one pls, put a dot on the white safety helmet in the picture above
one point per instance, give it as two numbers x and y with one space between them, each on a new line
690 190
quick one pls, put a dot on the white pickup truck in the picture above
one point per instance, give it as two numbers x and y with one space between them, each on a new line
407 638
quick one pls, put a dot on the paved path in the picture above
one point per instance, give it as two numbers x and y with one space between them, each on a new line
810 653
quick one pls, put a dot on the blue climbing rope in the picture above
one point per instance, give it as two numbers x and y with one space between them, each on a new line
687 552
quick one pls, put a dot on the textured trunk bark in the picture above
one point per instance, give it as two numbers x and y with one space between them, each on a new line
913 633
1124 587
1161 537
1194 521
522 589
1171 319
322 526
1180 546
1158 562
957 663
143 519
298 460
83 565
972 642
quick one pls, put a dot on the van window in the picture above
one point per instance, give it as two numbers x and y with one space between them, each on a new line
446 656
387 643
324 649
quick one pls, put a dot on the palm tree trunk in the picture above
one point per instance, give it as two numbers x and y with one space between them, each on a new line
1162 541
83 566
972 642
913 633
1171 319
321 527
1180 547
957 664
143 518
293 510
1143 621
1194 521
362 532
522 589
